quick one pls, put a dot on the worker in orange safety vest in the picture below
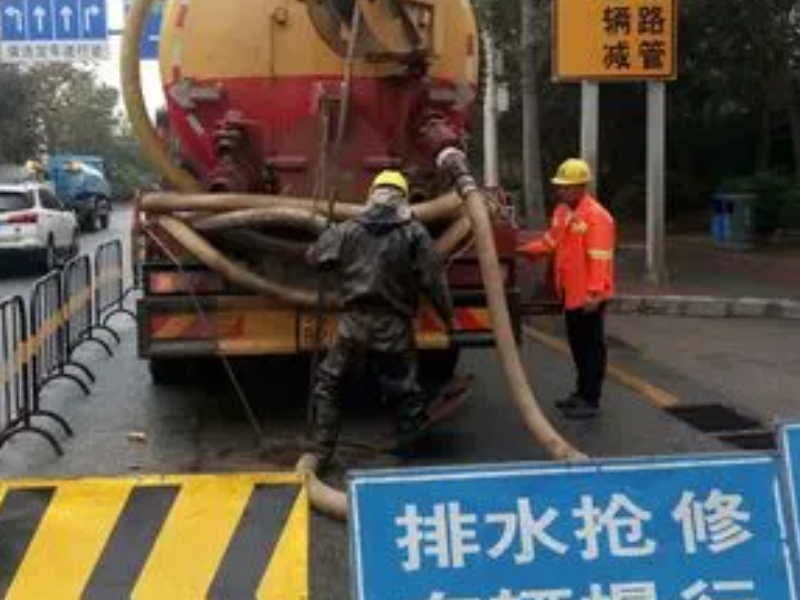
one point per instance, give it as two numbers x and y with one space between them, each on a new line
582 236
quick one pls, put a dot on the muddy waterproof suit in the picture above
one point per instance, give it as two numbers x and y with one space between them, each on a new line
383 260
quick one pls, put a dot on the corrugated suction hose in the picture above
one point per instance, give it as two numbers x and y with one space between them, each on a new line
453 161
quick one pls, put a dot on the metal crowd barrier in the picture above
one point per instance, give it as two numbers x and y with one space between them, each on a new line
37 341
51 353
79 312
110 292
18 404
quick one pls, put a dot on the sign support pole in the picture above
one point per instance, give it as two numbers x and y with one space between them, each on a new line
656 166
491 178
590 117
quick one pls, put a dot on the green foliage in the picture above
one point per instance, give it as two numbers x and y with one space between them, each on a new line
17 136
64 108
728 112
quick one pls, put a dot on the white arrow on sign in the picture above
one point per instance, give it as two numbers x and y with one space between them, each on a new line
39 14
66 16
89 13
12 12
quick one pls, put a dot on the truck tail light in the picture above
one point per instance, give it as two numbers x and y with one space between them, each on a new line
23 219
175 282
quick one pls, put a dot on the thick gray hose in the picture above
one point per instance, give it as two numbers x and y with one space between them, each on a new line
454 236
454 161
438 209
505 341
323 497
231 270
282 216
247 240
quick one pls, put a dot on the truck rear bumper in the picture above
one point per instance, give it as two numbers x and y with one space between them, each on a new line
171 327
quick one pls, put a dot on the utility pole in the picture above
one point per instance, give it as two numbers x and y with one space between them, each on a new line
590 117
491 178
531 149
656 167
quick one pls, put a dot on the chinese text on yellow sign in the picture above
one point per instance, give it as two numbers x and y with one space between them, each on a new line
614 39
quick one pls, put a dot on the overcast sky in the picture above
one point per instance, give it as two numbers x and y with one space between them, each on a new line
108 71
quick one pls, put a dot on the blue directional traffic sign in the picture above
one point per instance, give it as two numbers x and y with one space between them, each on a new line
13 14
94 23
695 528
40 20
53 30
67 19
151 35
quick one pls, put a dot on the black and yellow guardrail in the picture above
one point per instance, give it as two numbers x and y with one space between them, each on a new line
18 405
38 339
110 291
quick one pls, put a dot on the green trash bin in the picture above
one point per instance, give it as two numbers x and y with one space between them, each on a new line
742 230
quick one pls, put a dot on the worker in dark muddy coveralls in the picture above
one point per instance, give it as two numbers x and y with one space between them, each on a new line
383 260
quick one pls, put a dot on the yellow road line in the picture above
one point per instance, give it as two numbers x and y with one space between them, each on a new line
287 575
656 396
194 538
67 554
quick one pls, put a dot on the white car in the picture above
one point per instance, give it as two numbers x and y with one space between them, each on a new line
34 225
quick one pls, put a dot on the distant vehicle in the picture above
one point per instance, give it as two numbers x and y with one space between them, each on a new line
35 225
81 184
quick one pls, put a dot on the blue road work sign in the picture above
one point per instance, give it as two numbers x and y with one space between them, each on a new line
53 30
789 436
672 529
148 48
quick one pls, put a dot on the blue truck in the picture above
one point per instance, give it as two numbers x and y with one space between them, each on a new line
80 183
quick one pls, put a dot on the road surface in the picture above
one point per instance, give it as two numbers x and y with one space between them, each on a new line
129 427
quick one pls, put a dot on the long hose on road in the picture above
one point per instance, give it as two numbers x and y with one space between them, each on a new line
453 161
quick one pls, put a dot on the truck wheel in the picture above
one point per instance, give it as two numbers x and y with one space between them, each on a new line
168 371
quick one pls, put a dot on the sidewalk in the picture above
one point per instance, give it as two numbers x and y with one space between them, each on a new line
698 268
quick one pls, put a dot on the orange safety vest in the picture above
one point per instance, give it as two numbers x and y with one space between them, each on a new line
583 241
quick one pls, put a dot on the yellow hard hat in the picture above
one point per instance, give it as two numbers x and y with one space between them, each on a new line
393 178
574 171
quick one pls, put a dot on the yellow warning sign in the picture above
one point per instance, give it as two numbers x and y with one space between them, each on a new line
614 39
220 536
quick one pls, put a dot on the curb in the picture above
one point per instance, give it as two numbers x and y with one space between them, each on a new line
707 307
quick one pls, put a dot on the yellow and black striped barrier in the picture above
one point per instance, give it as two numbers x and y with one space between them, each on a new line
176 537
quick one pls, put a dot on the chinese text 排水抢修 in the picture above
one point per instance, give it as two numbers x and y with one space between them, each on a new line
448 537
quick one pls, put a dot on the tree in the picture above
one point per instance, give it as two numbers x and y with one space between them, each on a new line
17 131
77 112
531 143
734 109
63 108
